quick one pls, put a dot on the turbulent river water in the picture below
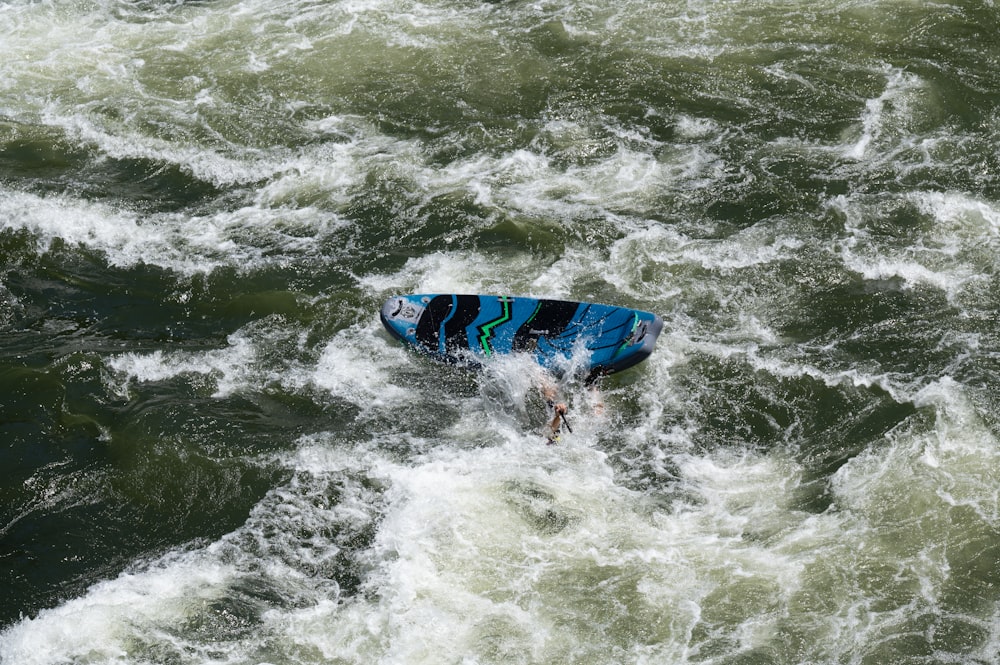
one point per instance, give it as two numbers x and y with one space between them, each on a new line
212 452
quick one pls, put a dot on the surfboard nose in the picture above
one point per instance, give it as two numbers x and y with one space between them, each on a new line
392 308
398 308
400 316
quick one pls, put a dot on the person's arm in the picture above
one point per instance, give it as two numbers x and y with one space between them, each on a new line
549 392
548 388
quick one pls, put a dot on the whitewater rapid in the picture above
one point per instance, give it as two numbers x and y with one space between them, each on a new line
216 455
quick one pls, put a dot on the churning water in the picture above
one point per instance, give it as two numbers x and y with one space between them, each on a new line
212 453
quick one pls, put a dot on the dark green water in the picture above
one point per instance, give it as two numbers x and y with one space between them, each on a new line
213 454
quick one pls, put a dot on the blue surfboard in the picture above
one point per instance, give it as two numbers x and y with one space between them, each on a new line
465 329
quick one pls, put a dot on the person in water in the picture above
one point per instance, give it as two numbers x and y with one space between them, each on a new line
553 428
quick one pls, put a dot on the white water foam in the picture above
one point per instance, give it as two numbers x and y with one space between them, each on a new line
101 626
526 552
458 272
476 554
950 257
244 239
231 368
489 547
757 245
355 365
906 503
510 550
889 113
